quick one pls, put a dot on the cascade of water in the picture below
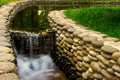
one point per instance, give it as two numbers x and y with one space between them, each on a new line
35 69
30 39
14 49
33 42
31 46
30 68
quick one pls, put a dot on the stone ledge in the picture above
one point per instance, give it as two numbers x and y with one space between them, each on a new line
9 76
97 58
7 57
7 67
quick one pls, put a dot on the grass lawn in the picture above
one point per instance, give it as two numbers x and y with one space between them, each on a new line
6 1
103 19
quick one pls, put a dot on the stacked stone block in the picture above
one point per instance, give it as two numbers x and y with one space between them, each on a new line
96 56
8 69
84 51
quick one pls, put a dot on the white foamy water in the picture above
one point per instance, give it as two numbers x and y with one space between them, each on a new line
35 69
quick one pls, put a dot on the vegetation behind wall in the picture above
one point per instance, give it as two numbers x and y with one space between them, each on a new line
30 20
105 19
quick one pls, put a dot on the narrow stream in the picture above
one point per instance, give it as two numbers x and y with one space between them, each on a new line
40 68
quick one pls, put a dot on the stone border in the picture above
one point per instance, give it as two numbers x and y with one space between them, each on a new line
8 69
94 55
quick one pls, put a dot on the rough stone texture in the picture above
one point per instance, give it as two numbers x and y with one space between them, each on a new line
97 43
118 61
117 74
5 50
116 68
9 76
116 55
109 49
67 45
107 56
69 40
106 74
102 59
95 66
8 70
71 30
7 13
7 67
97 75
89 38
7 57
94 55
5 44
110 70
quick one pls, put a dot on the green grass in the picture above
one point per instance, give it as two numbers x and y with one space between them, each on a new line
6 1
103 19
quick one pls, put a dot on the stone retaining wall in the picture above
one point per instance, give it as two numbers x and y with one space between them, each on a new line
94 55
8 69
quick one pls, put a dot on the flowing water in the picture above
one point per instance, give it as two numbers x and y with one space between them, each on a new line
40 68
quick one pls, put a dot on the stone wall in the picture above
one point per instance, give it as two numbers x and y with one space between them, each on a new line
8 69
94 55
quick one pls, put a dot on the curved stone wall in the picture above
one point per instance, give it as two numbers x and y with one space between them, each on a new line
69 40
8 69
94 55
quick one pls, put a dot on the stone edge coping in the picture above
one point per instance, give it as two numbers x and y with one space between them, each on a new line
107 49
7 12
59 18
8 67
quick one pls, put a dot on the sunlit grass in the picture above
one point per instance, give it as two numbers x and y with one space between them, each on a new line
103 19
6 1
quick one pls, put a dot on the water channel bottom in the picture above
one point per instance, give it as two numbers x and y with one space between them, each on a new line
41 68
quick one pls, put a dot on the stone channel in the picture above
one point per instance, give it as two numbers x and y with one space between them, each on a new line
85 54
94 56
33 55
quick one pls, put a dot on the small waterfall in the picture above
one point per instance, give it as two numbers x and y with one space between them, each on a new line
36 69
41 67
31 44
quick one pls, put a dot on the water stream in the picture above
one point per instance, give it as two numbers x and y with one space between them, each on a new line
30 35
40 68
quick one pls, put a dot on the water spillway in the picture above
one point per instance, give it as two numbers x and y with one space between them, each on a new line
31 43
33 54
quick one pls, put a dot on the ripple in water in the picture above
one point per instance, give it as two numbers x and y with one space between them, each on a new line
41 68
